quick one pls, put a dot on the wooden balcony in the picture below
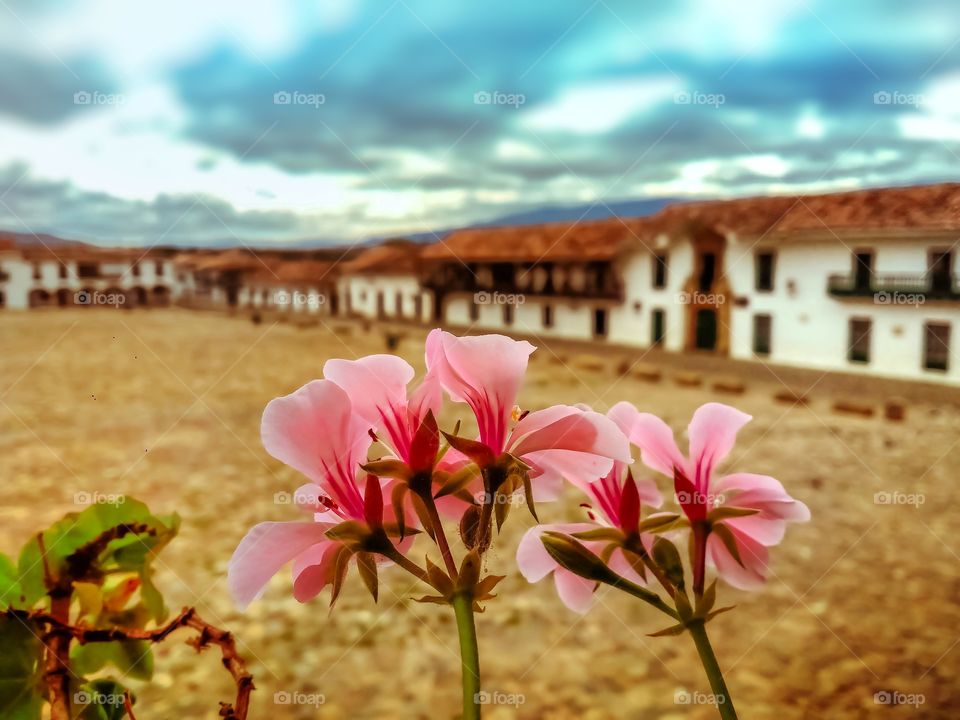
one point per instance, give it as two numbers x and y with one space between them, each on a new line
922 285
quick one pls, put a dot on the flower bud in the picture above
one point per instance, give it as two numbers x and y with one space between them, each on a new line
575 557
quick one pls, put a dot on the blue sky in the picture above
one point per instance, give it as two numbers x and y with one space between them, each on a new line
266 122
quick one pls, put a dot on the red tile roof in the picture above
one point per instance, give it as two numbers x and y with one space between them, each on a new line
389 258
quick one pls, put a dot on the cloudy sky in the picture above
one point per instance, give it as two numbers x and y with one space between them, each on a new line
193 122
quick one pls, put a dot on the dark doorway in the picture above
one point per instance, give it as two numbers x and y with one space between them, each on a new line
140 296
706 329
659 327
600 322
381 305
940 271
63 296
863 270
708 268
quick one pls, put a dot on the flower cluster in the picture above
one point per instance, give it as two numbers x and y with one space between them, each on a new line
368 508
381 471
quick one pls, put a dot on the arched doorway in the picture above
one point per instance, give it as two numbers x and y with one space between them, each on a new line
138 296
161 296
63 297
38 298
706 294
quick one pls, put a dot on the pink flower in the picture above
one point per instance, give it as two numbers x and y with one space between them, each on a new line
486 372
615 502
735 545
315 431
377 386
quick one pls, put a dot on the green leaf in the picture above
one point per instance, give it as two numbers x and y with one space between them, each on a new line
10 592
727 512
151 597
21 670
601 533
100 700
661 522
672 630
131 657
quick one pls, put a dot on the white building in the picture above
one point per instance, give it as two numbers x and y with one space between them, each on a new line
384 283
860 281
84 276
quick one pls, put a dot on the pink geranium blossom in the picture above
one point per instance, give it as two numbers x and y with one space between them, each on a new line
739 549
377 386
316 431
486 372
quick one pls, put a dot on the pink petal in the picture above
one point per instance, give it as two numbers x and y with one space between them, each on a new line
533 560
749 576
712 433
485 372
575 592
658 449
376 384
569 428
762 492
315 431
264 550
314 569
623 567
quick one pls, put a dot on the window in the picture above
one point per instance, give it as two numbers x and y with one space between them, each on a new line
761 334
37 272
764 271
548 316
88 270
660 271
136 269
859 341
418 306
399 304
659 327
158 268
936 346
600 322
508 314
474 311
63 272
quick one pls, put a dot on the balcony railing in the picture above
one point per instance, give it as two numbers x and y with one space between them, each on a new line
926 285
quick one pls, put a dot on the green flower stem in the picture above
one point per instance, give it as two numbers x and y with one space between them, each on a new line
469 654
641 593
720 693
439 536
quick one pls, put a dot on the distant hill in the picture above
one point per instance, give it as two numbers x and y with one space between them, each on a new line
563 213
38 240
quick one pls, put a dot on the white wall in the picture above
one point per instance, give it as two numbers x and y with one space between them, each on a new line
810 328
364 289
